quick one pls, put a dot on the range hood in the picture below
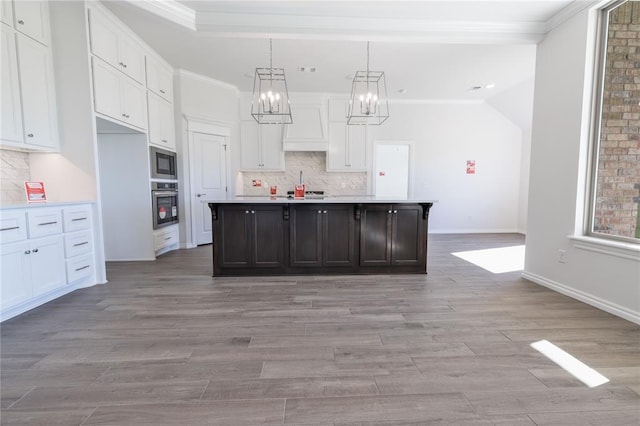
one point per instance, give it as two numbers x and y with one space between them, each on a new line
309 131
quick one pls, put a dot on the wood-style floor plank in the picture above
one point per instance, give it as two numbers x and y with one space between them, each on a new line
164 343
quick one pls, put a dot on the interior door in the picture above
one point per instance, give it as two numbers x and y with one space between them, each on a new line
209 180
392 171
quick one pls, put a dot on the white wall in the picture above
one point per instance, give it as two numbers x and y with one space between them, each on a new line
210 101
558 175
446 135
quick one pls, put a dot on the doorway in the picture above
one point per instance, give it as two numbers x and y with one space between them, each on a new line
392 169
209 144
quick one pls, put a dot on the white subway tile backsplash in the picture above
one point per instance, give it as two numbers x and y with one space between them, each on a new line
313 167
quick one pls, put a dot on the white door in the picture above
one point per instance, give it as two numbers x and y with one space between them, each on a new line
210 180
392 171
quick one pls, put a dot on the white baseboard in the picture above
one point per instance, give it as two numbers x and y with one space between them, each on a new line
34 302
474 231
605 305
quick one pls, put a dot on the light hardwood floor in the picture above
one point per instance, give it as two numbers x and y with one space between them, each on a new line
164 343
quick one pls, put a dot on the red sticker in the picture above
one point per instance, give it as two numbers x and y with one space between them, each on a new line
381 173
162 212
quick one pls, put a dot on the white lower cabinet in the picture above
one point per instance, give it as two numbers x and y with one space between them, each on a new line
45 252
165 239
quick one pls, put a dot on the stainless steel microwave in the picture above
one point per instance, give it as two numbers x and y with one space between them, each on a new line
163 164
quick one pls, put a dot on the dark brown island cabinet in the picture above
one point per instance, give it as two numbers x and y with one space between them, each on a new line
298 237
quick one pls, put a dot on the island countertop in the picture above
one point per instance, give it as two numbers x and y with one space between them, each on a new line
281 199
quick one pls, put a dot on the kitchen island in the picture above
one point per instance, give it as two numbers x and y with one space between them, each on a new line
328 235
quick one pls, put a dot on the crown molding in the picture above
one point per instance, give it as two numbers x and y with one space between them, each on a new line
170 10
195 76
569 12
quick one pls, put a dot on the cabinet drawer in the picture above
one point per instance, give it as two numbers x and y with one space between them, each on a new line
76 218
13 226
43 222
165 239
79 267
77 243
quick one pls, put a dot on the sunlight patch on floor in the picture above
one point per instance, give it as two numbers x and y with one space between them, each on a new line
497 260
570 364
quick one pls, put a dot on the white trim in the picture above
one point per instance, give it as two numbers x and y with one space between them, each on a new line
170 10
476 231
587 298
37 301
610 247
199 77
437 101
210 127
568 12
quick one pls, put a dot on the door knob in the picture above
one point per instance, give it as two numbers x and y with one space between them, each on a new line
200 194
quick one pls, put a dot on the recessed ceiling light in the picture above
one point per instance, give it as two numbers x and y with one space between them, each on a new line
490 86
402 91
308 69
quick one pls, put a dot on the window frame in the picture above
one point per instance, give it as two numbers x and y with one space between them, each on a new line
599 74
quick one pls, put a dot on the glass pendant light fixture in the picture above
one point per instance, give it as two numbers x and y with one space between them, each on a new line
368 103
270 101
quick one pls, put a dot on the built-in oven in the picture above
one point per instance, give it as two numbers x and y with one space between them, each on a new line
164 196
163 164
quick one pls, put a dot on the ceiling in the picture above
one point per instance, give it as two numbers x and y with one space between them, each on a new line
429 49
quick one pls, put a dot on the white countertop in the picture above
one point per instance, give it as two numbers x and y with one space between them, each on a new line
26 205
258 199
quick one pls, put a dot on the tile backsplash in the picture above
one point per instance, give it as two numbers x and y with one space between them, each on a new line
313 167
14 170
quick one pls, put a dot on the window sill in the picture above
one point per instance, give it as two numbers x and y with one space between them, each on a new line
613 248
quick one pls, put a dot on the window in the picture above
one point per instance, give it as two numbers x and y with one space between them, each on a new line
615 188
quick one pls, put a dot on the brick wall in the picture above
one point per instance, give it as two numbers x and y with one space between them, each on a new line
619 155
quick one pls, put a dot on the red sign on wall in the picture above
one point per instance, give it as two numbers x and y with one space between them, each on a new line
471 167
35 192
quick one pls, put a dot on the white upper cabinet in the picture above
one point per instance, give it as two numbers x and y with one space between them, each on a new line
159 78
117 96
161 128
11 128
6 12
113 45
38 94
261 146
32 18
347 148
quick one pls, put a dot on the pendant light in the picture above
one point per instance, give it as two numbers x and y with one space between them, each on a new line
270 101
368 103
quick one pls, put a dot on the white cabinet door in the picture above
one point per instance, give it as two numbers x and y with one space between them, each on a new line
134 103
132 58
38 94
159 78
347 148
106 91
6 12
11 128
104 38
161 130
117 96
271 147
110 43
15 283
47 264
32 19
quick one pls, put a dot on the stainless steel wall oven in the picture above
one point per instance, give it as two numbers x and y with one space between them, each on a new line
164 197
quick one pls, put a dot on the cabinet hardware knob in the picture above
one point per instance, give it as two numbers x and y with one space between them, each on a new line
124 115
21 22
162 91
253 212
30 135
164 140
35 250
246 212
167 238
319 211
199 194
27 251
395 212
325 212
389 211
121 64
124 65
